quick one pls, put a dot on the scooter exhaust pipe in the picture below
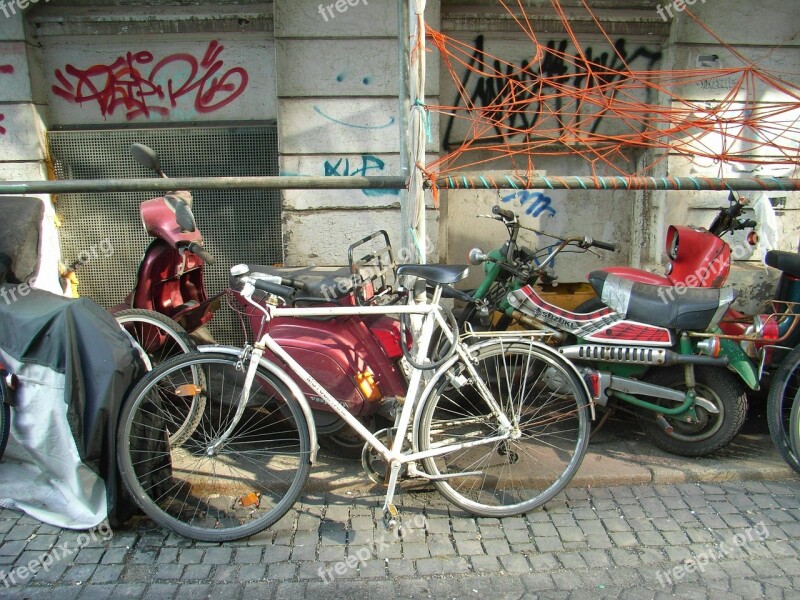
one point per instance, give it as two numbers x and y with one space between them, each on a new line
638 355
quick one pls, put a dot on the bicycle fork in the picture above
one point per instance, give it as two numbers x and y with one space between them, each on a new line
252 366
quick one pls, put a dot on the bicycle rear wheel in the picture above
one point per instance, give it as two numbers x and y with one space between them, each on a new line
162 338
784 391
547 405
211 487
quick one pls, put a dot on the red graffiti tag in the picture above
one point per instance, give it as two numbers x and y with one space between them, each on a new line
5 70
125 83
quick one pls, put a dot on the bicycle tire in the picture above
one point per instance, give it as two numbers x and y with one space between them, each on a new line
162 338
220 495
551 422
794 423
159 336
5 418
782 393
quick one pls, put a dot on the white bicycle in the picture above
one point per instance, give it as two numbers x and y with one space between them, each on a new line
498 422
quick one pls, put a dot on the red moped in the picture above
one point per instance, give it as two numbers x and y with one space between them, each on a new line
169 300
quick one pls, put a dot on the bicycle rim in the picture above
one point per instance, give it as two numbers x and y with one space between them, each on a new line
199 489
548 408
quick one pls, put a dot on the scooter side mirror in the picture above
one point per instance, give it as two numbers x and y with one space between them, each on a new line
477 256
147 157
184 217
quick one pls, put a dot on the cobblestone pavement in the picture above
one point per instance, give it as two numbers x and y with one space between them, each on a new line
617 542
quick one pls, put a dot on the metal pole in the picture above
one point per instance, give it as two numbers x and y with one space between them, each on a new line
73 186
471 181
455 182
403 29
419 126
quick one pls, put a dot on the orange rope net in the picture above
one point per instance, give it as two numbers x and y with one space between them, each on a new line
597 107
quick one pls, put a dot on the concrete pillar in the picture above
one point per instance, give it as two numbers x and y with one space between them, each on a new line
338 116
23 122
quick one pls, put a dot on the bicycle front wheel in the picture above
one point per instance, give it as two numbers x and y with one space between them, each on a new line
783 393
794 434
241 469
547 407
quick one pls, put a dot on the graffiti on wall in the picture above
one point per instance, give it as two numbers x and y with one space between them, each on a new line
388 123
534 203
520 106
141 87
344 168
5 70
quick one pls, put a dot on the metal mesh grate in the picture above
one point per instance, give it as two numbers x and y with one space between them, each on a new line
237 225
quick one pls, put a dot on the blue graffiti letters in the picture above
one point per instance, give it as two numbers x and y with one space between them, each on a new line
369 164
539 203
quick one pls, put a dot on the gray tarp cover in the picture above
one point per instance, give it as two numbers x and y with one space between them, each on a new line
75 366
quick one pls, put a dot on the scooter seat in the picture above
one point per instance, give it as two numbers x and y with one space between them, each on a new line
439 274
320 282
682 308
788 262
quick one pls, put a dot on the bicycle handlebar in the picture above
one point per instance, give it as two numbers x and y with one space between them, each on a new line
283 291
506 214
610 246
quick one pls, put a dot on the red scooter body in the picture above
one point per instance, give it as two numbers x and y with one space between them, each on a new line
343 351
170 276
173 285
356 357
698 258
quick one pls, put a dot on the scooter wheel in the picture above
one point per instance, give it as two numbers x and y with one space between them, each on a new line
709 432
345 442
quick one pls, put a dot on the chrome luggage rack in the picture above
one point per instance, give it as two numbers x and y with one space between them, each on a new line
771 311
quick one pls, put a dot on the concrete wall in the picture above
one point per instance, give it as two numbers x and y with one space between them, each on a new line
637 221
330 76
612 216
340 115
765 34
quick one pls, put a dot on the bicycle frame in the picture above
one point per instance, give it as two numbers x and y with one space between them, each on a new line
394 456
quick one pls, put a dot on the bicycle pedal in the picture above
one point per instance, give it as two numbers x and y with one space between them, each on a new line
391 518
